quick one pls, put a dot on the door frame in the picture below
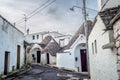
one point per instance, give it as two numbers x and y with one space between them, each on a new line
48 58
6 62
83 56
38 56
18 57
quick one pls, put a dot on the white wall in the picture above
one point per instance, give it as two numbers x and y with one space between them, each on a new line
67 59
110 4
102 63
116 28
29 38
52 59
8 42
65 41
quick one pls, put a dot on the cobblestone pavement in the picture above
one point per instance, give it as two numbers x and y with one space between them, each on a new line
48 73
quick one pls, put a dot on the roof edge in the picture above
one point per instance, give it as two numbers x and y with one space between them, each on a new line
117 17
11 24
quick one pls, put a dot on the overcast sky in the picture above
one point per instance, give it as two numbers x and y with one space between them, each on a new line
56 17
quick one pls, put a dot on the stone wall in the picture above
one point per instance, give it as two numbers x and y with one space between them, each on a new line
116 28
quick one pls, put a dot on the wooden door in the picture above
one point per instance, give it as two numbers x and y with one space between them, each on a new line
83 60
18 56
38 56
6 62
48 62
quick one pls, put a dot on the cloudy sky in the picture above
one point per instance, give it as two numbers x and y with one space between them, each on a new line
55 17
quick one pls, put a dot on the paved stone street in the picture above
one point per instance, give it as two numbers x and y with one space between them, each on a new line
48 73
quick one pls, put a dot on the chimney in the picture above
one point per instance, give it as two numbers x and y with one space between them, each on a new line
27 31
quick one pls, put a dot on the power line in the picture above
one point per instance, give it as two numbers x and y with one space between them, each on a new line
41 9
104 4
33 11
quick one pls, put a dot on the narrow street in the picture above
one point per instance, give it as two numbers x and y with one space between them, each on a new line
38 72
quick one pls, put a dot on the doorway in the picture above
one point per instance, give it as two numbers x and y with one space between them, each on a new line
18 56
83 60
48 58
6 64
38 56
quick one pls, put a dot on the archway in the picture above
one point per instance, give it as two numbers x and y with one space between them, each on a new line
81 56
34 53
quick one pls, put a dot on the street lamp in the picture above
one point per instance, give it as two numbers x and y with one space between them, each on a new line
72 8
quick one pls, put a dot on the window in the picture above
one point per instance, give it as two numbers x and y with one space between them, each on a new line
92 48
37 36
5 26
33 37
76 59
95 46
61 42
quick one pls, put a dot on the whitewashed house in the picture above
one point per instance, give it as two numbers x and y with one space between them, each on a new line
11 47
33 47
115 22
43 47
74 54
50 52
102 54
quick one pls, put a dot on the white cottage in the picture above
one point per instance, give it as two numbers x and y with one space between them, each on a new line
11 47
42 47
115 22
102 57
74 54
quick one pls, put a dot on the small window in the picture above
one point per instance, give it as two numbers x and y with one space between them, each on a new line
76 59
61 42
95 46
33 37
5 26
37 36
92 48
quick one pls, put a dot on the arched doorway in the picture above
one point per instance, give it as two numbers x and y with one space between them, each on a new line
81 55
34 53
38 56
48 58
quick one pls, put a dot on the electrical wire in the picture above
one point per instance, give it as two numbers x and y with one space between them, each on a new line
104 5
41 9
22 19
